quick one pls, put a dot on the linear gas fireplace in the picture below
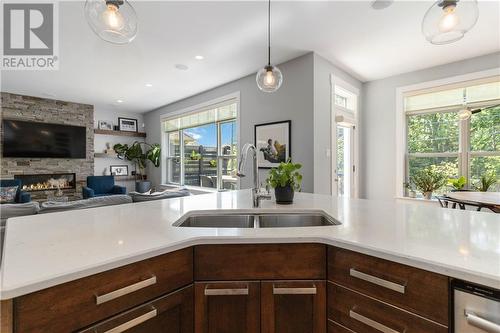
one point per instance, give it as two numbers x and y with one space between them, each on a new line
50 181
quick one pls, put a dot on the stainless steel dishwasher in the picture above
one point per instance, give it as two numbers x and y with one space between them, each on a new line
476 308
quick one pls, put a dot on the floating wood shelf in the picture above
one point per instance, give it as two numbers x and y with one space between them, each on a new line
119 133
104 155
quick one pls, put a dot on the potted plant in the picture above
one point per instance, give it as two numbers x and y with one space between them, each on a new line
428 180
457 184
135 154
285 179
485 182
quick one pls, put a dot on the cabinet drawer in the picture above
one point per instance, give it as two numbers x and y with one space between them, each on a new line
363 314
410 288
260 262
173 311
82 302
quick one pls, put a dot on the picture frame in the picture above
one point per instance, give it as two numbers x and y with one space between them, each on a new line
127 124
273 143
119 170
105 125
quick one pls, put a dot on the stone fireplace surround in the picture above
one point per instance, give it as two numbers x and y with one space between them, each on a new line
36 109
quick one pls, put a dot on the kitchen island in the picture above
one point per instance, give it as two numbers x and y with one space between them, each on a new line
50 250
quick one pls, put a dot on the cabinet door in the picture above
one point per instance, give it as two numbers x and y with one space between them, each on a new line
293 306
227 307
172 313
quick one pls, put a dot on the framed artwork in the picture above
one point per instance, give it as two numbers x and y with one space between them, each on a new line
127 124
273 143
119 170
105 125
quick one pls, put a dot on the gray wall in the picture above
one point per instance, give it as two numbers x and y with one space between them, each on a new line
378 122
323 69
293 101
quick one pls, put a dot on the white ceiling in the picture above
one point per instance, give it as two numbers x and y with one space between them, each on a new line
231 36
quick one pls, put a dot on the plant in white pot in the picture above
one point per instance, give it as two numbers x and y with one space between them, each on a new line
429 180
285 179
139 157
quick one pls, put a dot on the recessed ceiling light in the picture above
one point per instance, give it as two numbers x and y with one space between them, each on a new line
149 85
181 67
119 101
199 57
381 4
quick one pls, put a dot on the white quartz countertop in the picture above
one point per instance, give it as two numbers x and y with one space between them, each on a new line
46 250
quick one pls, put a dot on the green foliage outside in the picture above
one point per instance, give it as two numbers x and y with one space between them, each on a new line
439 133
285 174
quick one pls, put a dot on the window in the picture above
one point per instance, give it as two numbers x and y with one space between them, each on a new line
207 154
437 138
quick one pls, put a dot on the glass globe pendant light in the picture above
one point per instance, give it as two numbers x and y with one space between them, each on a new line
269 78
447 21
114 21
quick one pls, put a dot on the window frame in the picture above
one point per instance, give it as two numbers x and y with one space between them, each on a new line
233 98
465 154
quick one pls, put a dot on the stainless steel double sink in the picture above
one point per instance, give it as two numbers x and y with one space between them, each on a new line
257 220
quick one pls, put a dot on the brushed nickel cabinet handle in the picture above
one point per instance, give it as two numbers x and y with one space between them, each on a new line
294 291
134 322
378 281
372 323
125 290
226 292
481 323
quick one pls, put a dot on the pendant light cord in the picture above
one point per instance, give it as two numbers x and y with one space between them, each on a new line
269 33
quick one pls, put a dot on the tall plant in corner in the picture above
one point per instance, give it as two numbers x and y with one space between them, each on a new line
139 156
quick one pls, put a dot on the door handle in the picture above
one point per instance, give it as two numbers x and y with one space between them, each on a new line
372 323
134 322
378 281
226 291
125 290
294 291
481 323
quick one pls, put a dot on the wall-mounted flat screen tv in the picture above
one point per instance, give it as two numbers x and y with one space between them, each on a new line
32 139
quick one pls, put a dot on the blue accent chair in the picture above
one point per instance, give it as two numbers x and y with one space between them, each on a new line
99 186
21 196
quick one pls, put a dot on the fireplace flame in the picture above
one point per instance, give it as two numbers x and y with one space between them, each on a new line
51 184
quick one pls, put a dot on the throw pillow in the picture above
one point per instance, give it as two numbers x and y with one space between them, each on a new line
8 194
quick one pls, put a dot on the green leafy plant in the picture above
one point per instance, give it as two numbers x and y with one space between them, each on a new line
286 174
195 156
137 155
429 180
485 182
457 183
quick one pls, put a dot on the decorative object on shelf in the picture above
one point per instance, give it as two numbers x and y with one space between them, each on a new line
116 128
410 190
457 183
119 170
114 21
429 180
273 143
269 78
136 155
127 124
285 179
105 125
447 21
485 182
109 150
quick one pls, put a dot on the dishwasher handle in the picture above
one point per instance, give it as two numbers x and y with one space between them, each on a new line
481 323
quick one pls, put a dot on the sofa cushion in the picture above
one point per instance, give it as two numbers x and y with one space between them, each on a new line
179 192
51 206
8 194
18 209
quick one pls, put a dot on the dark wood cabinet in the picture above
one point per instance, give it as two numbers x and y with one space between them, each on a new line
227 307
293 306
172 313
